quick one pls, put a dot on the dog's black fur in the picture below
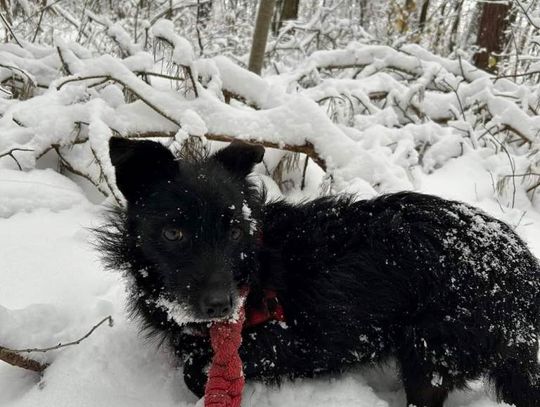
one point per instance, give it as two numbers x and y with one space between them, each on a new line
449 292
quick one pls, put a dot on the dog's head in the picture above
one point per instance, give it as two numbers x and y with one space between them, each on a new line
190 227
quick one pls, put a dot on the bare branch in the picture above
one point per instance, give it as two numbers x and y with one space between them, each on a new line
65 345
110 78
107 181
10 154
73 170
14 358
8 27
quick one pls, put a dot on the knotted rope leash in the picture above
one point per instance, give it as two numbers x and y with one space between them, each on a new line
225 377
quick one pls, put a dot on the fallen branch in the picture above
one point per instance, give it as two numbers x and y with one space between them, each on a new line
14 358
307 148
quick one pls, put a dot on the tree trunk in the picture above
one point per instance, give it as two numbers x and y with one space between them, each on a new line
284 10
423 15
290 10
260 35
363 13
455 26
491 35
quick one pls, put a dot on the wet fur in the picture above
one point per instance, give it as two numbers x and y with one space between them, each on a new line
449 292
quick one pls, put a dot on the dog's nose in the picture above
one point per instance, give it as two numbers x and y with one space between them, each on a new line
217 304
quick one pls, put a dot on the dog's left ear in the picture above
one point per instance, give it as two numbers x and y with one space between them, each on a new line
240 157
139 165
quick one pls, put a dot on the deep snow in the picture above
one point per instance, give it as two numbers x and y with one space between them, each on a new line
53 289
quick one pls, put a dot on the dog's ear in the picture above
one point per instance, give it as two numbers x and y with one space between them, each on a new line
139 164
240 157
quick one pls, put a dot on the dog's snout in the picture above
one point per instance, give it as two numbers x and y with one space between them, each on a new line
217 304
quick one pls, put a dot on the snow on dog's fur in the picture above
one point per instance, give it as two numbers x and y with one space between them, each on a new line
449 292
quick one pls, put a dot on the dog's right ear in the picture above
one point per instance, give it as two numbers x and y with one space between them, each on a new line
240 157
140 164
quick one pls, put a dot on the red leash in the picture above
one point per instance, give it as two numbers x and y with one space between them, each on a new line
225 377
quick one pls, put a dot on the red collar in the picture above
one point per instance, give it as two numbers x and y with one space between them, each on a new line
269 310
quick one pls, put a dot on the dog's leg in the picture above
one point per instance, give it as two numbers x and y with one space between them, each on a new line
195 366
196 355
423 388
430 363
421 391
517 377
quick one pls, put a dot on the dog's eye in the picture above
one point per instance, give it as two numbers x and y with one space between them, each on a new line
236 233
172 234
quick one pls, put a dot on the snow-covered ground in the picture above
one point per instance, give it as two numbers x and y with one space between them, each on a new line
53 289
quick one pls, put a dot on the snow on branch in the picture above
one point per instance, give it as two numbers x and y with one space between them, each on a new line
369 115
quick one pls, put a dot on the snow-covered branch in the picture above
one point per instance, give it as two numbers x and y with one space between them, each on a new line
369 115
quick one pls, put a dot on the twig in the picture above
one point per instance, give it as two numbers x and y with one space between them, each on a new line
36 13
526 13
65 66
516 75
65 345
176 7
10 153
187 69
109 184
527 174
16 68
109 77
38 27
8 27
533 188
160 75
13 357
189 73
232 95
73 170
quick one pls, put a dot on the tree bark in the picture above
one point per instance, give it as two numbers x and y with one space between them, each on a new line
260 35
455 26
423 15
491 35
363 4
17 360
284 10
290 10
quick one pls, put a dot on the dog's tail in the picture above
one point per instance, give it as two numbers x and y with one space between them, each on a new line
517 378
517 383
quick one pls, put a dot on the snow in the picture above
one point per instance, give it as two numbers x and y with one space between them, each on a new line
25 192
53 289
183 53
404 119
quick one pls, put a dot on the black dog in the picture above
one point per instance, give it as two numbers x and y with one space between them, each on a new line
449 292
